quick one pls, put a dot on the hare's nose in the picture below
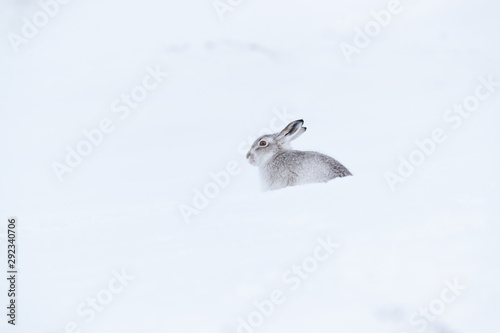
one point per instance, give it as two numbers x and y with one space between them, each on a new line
248 155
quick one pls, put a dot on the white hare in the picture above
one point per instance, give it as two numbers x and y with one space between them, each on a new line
281 166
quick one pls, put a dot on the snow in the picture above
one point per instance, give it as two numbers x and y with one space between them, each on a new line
227 81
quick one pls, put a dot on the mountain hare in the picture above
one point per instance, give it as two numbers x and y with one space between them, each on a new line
281 166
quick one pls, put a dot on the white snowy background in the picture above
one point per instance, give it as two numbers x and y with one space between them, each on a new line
227 78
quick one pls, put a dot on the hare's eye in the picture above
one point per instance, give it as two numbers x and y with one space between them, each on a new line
262 143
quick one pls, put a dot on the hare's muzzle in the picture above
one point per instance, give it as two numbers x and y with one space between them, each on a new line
250 158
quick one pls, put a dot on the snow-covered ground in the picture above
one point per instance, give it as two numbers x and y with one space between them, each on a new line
118 213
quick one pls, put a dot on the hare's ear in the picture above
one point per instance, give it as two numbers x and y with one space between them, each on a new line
292 131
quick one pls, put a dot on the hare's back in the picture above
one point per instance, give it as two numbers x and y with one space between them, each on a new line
310 166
